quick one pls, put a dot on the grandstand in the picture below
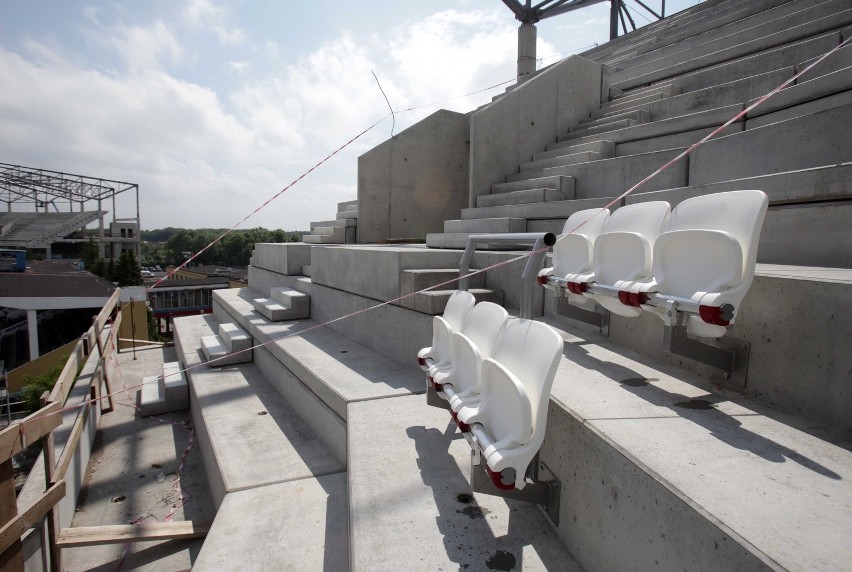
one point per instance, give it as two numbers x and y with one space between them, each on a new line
321 445
29 193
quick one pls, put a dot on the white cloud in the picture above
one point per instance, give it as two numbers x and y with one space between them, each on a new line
205 14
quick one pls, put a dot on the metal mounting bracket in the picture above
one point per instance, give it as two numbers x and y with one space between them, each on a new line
543 488
433 399
726 354
599 317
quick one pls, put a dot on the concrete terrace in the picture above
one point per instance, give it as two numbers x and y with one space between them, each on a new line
317 446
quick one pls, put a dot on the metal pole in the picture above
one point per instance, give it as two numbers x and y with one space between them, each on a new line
132 328
613 19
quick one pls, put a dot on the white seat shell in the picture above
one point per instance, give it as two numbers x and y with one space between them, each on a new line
510 419
443 327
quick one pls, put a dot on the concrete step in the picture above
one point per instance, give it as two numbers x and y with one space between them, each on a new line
416 279
298 302
605 149
434 302
441 525
536 211
333 367
565 184
152 396
486 225
347 205
297 525
337 233
521 197
217 354
351 213
609 177
791 29
275 445
811 202
806 97
619 97
635 441
286 258
277 312
306 270
319 239
458 240
638 115
339 222
602 128
572 159
642 134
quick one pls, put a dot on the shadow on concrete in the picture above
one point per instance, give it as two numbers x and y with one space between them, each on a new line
701 411
467 536
150 555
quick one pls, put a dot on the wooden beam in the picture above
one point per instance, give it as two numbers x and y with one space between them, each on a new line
103 316
11 532
69 452
11 555
17 436
65 381
121 533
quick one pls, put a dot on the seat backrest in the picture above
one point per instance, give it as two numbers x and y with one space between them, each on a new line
531 351
483 326
457 309
623 250
572 252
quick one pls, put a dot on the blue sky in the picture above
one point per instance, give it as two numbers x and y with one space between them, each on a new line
212 107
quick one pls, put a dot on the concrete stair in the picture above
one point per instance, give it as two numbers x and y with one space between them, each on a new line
341 230
164 393
230 346
284 304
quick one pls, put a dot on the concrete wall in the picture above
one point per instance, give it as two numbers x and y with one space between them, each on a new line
411 183
525 120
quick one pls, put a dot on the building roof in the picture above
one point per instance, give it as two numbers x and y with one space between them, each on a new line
54 279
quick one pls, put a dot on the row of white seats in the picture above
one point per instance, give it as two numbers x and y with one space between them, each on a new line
699 258
496 375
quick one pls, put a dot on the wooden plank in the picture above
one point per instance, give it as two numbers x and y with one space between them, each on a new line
11 532
52 517
30 429
66 378
11 554
103 316
121 533
69 452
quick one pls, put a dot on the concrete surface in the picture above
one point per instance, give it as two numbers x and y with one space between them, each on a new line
123 483
285 258
653 460
337 369
299 525
254 437
408 185
411 505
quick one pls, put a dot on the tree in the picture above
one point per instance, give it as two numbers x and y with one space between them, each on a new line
90 254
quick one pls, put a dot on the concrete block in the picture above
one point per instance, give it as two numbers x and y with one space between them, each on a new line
347 205
274 447
410 184
292 299
216 353
306 270
286 258
604 149
808 235
269 309
486 225
671 141
348 215
354 269
152 397
414 280
318 239
337 233
637 115
572 159
436 527
609 177
298 525
338 222
601 128
565 184
801 105
640 94
234 338
554 225
264 280
775 148
175 386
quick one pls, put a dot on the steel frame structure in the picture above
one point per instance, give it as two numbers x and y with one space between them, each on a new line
527 13
43 188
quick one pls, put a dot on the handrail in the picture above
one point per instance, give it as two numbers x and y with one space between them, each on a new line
538 241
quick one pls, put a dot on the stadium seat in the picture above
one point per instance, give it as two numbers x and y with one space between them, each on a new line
623 253
707 256
443 327
485 323
510 419
572 253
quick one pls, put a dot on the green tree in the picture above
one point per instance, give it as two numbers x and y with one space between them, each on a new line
89 254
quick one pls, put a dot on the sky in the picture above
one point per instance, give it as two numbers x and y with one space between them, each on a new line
213 107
